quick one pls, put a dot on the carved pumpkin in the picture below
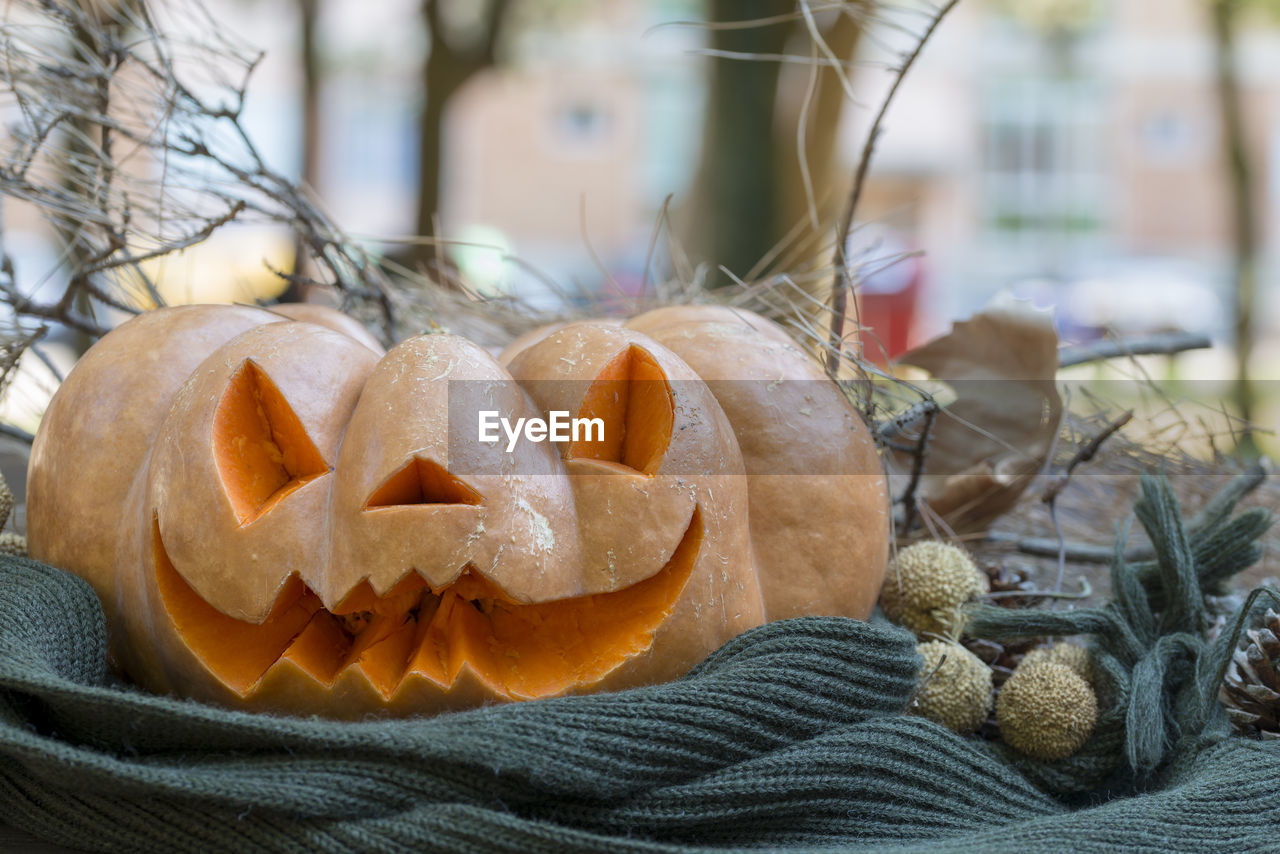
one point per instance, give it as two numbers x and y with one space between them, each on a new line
279 516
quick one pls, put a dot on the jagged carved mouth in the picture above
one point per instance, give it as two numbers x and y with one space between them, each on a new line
521 651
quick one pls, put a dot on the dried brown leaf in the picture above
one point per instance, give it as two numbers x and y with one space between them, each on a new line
990 442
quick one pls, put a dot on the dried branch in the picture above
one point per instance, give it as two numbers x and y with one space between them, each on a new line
130 142
1165 344
1086 590
1235 489
840 284
889 430
919 454
1073 552
1084 454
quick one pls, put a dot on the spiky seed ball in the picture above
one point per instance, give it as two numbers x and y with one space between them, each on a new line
955 689
925 586
13 544
1072 655
1046 710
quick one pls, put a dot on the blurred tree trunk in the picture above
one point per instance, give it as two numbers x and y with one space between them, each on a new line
308 11
750 190
825 112
448 66
735 219
85 160
307 14
1243 207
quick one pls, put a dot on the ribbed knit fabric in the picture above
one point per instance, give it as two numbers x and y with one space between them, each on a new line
791 736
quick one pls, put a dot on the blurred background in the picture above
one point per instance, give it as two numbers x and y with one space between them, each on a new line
1116 160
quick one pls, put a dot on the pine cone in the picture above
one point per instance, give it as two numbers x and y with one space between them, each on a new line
1251 689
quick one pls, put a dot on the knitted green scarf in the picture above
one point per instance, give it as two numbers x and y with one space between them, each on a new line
790 736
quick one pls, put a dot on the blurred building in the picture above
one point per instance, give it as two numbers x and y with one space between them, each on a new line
1081 168
572 147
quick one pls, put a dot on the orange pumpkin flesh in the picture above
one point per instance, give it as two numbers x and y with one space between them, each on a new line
333 549
523 651
421 482
261 458
632 382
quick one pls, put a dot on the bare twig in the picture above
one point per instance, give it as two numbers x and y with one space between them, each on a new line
192 167
1084 454
840 283
920 454
1235 489
1072 552
1166 344
1086 590
888 431
663 213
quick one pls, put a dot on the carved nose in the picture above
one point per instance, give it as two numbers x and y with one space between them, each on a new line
422 481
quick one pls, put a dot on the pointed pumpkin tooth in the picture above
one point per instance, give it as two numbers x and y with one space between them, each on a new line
469 688
381 651
290 688
320 649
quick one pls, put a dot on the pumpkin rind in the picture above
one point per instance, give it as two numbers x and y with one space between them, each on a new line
820 508
238 566
98 431
305 528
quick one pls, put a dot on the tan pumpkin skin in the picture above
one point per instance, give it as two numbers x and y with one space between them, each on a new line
701 468
673 318
98 431
324 316
820 531
663 534
542 527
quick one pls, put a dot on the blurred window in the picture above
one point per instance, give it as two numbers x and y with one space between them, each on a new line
582 127
1168 139
1043 166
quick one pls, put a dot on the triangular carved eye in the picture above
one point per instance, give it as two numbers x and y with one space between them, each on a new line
422 482
260 447
633 399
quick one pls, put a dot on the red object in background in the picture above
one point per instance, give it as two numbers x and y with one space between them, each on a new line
887 302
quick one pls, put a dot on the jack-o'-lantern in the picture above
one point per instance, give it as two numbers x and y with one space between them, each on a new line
279 516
